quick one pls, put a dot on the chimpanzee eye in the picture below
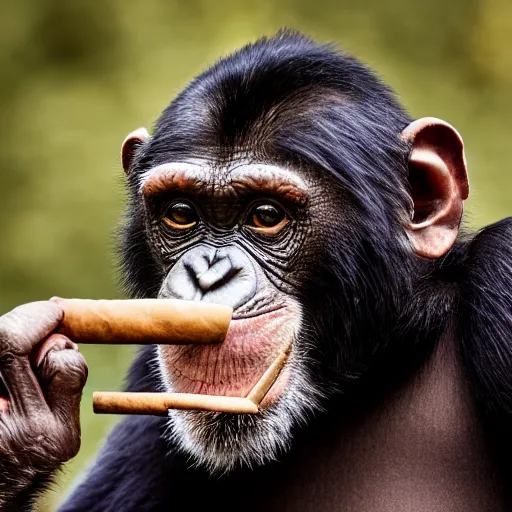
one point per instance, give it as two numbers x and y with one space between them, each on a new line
181 215
267 217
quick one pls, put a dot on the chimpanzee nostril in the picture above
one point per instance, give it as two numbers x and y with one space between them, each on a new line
220 271
223 276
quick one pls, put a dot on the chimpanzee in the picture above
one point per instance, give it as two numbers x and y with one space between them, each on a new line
288 182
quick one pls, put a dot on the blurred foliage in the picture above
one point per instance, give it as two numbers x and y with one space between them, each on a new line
77 76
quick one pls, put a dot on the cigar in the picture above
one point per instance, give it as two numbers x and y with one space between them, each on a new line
262 387
158 404
115 402
143 321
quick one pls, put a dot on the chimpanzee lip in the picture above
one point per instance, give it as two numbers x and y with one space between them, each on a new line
259 312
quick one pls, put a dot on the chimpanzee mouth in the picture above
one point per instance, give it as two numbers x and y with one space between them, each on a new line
258 312
233 368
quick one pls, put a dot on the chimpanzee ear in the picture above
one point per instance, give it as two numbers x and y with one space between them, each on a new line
130 145
439 185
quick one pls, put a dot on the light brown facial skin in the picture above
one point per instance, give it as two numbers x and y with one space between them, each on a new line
195 178
260 330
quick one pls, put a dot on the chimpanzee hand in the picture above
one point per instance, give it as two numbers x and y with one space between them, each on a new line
42 375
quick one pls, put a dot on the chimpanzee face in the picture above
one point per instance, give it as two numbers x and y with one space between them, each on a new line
229 236
235 235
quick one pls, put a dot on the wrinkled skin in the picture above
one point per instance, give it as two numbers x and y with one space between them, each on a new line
43 376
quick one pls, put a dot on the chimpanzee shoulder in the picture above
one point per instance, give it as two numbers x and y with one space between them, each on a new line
485 314
485 331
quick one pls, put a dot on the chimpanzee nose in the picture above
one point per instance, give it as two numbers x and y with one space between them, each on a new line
219 270
223 276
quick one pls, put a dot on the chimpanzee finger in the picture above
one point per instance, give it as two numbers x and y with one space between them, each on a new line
20 330
25 326
53 342
24 394
62 372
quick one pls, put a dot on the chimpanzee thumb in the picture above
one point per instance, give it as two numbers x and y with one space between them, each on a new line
62 373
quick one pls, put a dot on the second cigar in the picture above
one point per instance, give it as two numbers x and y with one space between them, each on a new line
143 321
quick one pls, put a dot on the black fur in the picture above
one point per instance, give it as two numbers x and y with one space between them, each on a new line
485 326
378 309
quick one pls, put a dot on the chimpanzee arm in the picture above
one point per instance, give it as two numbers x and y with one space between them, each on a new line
43 376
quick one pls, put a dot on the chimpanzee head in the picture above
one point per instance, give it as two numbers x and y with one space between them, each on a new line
287 182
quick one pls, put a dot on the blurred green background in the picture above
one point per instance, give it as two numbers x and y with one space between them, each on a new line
77 76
